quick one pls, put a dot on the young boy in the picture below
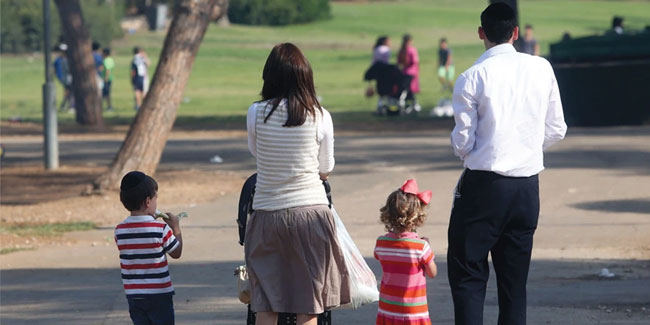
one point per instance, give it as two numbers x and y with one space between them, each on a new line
143 243
446 68
107 75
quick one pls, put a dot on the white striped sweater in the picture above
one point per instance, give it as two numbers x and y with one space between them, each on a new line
288 158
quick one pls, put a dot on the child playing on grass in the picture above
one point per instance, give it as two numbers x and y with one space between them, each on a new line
405 258
143 243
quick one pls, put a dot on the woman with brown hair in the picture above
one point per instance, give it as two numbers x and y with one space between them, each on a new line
409 60
293 257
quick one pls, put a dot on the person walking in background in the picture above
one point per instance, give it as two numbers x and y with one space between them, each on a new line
97 57
409 61
446 70
381 51
62 72
139 75
528 44
107 76
99 65
380 57
507 110
293 257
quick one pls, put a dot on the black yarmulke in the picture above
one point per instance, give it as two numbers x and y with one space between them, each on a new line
132 179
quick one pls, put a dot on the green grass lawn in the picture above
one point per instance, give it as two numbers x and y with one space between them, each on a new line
51 229
226 76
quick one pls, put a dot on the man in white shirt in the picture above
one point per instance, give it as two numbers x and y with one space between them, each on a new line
507 110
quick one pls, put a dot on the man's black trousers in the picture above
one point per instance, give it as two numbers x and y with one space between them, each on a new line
498 215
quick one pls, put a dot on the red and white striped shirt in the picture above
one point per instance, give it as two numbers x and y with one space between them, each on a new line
143 243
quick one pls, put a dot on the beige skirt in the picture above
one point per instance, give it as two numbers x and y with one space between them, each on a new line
294 261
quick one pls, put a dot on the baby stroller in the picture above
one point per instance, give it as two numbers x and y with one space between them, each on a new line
393 89
245 210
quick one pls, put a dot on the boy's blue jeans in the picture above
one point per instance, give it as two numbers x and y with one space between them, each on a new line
158 310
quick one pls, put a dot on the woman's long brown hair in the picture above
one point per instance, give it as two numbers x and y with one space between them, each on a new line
288 75
401 57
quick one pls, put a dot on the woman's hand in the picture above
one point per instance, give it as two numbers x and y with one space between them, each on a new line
324 176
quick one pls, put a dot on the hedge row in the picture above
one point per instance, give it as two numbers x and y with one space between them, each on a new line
277 12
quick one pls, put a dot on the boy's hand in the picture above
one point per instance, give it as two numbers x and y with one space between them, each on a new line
172 221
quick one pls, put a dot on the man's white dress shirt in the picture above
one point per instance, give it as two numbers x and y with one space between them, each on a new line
507 110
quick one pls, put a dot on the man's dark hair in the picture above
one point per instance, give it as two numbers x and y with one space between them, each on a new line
443 40
135 188
106 51
529 26
96 46
498 21
136 50
617 21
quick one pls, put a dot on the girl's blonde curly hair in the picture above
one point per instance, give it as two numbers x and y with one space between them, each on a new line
402 212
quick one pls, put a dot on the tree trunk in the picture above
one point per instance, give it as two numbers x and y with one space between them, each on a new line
82 65
148 133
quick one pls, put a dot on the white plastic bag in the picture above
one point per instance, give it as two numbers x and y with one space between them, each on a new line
363 284
243 284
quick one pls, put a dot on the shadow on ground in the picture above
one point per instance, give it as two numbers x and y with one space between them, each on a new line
631 205
206 294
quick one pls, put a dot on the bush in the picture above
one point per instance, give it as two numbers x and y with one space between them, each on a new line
277 12
22 23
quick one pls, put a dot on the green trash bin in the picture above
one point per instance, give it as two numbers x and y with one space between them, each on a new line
604 80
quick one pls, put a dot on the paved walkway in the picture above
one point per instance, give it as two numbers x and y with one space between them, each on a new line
595 213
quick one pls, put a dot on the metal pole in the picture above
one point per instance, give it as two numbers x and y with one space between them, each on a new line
51 144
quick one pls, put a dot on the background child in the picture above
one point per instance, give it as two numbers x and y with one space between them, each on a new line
446 68
405 258
143 244
107 75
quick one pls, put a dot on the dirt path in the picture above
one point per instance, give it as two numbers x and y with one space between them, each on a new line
595 214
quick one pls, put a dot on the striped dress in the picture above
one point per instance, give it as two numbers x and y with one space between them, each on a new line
403 291
143 244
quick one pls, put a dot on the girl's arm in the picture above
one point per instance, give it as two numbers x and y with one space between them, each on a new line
431 269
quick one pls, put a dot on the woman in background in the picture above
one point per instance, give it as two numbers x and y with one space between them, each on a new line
409 61
381 51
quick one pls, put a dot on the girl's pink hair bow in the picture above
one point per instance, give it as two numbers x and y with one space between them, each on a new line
411 187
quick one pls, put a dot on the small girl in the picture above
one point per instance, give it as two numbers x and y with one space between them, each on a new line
405 258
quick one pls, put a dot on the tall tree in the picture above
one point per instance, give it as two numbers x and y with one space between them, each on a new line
147 136
82 66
